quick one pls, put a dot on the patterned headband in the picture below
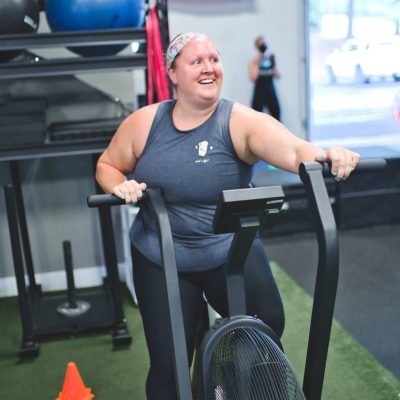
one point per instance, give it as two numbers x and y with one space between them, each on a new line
179 43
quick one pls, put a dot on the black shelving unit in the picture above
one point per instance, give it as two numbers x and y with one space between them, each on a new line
67 66
33 302
75 65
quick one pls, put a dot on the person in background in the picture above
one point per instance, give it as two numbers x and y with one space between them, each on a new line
193 147
263 71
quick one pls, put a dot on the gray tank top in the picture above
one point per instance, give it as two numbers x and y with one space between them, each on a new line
192 168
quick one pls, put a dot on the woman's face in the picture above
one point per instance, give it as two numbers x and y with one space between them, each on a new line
198 71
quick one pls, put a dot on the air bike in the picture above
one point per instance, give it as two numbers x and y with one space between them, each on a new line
240 357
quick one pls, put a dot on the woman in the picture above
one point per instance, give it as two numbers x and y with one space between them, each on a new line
193 148
263 71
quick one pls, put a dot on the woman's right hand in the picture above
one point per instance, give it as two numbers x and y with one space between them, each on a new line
130 190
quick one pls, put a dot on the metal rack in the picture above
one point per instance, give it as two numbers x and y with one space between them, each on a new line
31 299
72 65
67 66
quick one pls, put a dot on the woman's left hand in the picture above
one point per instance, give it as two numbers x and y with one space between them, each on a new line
343 161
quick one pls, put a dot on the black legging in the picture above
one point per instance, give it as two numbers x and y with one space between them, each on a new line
262 299
265 96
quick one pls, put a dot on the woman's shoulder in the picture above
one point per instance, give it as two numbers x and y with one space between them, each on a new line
143 116
139 121
145 111
246 119
241 109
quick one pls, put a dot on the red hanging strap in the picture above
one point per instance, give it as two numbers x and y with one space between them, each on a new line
161 76
156 78
150 65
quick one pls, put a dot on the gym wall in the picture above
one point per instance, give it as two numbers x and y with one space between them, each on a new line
233 26
55 189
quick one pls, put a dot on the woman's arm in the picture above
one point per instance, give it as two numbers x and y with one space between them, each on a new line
121 155
253 69
258 136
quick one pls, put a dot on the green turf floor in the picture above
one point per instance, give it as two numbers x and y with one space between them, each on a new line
352 373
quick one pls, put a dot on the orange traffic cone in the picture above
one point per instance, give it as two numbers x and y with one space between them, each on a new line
74 388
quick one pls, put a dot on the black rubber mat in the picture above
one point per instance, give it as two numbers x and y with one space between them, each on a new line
368 299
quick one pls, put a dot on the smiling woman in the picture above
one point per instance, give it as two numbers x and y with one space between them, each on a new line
193 147
199 76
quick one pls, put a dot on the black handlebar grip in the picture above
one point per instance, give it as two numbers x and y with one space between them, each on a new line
371 165
102 200
363 167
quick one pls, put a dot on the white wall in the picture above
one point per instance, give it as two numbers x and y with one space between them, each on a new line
234 32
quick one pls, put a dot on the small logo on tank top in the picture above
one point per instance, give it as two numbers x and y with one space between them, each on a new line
203 148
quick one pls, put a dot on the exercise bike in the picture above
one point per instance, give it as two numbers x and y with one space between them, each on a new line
240 357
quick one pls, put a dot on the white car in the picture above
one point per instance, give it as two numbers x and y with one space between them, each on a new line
361 60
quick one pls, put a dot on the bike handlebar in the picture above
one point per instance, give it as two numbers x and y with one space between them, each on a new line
364 166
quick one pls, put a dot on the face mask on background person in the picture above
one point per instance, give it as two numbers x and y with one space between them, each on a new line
262 47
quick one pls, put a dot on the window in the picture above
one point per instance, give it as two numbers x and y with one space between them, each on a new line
354 72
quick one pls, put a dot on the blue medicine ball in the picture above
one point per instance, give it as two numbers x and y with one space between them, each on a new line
77 15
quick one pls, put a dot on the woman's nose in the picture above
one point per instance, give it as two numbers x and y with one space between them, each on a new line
207 66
